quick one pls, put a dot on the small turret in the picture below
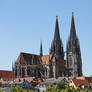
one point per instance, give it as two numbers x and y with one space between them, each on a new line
41 50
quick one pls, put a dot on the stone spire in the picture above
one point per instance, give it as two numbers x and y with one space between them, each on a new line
41 50
56 34
72 30
57 46
73 52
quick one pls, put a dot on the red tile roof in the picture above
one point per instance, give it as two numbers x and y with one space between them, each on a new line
6 75
27 58
79 82
45 59
29 79
89 79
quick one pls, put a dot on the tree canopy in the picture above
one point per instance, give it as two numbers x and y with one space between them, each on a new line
63 87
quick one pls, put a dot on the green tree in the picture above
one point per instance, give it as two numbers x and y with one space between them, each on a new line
52 88
19 89
91 75
31 91
61 85
87 90
1 90
13 89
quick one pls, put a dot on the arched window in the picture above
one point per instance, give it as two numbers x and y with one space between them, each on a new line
64 73
70 63
69 74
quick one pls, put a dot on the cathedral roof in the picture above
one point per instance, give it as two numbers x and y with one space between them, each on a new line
45 59
26 58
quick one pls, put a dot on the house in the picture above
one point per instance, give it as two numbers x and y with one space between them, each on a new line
89 80
79 83
43 85
6 76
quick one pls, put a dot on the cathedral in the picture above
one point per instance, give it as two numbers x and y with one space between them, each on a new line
52 65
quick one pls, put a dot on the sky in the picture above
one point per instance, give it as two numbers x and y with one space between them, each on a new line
24 23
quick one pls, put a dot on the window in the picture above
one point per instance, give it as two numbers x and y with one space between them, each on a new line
69 74
70 63
64 74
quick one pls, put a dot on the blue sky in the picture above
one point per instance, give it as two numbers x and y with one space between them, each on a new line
24 23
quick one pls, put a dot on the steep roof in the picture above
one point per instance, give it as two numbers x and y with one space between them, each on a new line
26 58
6 75
57 46
29 79
45 59
72 30
79 82
89 79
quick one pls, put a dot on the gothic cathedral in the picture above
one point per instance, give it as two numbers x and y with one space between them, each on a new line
52 65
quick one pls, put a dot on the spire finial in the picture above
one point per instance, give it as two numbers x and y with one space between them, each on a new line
72 13
56 17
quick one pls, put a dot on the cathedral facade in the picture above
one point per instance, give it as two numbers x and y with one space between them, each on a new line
53 65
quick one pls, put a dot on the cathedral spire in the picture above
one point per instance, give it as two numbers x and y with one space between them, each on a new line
72 30
73 53
41 50
57 46
56 34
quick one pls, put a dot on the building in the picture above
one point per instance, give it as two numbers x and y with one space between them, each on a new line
81 82
53 65
41 87
6 77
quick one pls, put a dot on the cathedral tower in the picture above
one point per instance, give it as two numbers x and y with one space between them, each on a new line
73 53
57 46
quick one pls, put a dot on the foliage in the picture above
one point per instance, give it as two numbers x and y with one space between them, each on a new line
52 88
18 89
31 90
59 87
91 75
13 89
63 87
0 90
